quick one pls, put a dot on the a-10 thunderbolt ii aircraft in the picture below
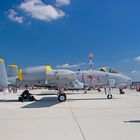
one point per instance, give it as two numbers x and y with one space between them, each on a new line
104 79
41 76
44 76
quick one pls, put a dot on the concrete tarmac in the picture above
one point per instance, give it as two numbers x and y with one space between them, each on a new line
82 117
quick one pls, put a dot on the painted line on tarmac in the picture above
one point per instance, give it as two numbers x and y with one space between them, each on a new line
84 138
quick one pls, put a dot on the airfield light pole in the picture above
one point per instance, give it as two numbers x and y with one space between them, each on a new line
90 60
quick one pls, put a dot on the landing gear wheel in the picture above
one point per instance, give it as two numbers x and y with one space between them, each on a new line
62 97
25 95
109 96
85 92
99 90
31 98
121 91
20 99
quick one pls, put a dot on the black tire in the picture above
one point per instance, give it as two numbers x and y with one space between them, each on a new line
99 90
20 99
62 97
122 92
109 96
85 92
25 95
31 98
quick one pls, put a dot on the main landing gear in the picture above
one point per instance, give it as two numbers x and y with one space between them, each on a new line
85 92
26 95
108 93
121 91
61 95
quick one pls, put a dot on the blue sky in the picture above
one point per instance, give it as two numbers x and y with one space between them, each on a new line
37 32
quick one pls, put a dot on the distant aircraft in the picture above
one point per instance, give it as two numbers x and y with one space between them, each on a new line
41 76
102 79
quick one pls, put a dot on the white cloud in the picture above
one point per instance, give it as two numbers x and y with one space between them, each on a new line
41 11
68 66
135 75
135 72
137 58
63 2
13 15
126 61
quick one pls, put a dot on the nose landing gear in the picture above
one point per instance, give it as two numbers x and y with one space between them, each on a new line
109 95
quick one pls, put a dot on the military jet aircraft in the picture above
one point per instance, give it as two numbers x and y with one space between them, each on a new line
41 76
102 79
44 76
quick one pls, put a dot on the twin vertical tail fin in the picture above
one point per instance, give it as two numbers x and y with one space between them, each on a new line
3 75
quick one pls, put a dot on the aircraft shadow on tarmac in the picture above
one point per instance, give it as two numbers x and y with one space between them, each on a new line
132 121
50 101
9 101
88 99
43 102
44 94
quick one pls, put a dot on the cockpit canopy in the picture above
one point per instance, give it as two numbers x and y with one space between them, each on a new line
108 69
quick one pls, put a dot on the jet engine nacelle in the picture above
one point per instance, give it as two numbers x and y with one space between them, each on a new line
12 71
34 73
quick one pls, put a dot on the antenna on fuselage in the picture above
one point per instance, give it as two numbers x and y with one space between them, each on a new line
91 55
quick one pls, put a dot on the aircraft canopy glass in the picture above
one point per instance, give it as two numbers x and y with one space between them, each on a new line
108 69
